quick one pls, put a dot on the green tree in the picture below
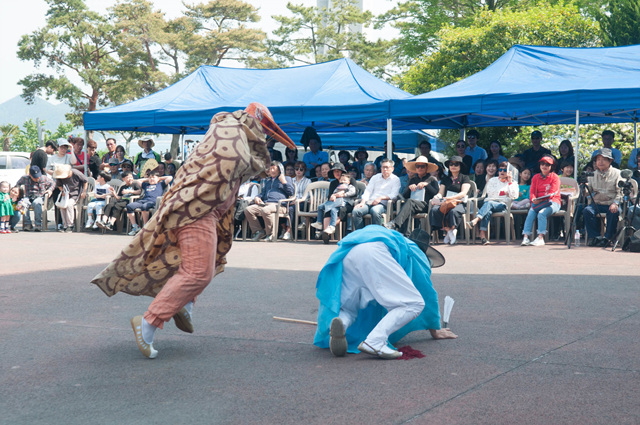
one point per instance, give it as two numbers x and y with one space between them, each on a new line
74 40
465 51
26 139
314 35
8 132
619 23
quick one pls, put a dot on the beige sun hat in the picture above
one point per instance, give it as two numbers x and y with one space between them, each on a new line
411 165
146 140
62 171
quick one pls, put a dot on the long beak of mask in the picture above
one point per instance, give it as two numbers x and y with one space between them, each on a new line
262 114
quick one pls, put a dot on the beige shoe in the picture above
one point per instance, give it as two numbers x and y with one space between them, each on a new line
146 349
384 353
183 321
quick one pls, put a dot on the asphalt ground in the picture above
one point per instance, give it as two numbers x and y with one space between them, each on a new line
547 335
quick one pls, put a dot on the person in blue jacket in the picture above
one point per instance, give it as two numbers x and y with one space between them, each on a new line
376 288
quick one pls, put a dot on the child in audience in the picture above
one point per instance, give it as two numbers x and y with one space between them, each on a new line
119 200
6 207
17 195
522 201
567 169
344 192
99 197
153 186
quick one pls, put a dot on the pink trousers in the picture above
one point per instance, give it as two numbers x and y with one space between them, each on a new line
198 244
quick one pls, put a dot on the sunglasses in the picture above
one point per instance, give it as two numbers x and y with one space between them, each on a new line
454 164
502 170
299 169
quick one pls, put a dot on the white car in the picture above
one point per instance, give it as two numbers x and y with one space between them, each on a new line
13 165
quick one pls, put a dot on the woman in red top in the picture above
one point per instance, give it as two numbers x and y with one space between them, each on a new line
545 200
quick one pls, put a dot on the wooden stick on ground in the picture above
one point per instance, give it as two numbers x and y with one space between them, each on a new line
286 319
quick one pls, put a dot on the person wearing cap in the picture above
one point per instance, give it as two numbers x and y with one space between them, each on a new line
114 168
473 150
544 194
60 157
111 153
185 243
532 156
146 154
419 191
454 188
382 188
275 189
36 186
607 197
376 288
608 137
361 159
342 195
500 190
76 182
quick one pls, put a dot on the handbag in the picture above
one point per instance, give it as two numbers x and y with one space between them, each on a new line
63 197
448 205
539 207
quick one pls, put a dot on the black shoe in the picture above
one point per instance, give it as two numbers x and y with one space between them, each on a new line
38 229
604 242
325 237
594 242
484 241
108 226
390 225
68 229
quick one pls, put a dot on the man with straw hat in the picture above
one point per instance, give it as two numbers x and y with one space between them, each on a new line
420 189
146 154
375 289
184 244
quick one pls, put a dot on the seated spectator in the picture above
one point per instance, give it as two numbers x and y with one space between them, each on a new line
291 155
275 154
369 171
60 157
479 176
522 201
565 151
168 158
636 169
301 183
490 169
36 186
162 171
421 189
382 188
171 170
632 162
111 153
451 200
315 156
153 187
127 165
361 159
290 169
98 200
17 194
397 169
607 197
566 168
76 184
275 189
343 193
353 172
467 160
499 190
120 153
496 153
324 172
114 169
405 175
425 150
532 156
146 154
119 200
607 142
545 200
248 190
344 157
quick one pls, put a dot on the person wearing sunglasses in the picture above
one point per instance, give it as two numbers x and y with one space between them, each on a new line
449 204
545 200
500 190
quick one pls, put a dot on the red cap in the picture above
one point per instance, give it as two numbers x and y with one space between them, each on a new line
546 159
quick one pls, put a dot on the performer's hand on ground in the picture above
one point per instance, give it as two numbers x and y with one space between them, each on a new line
442 334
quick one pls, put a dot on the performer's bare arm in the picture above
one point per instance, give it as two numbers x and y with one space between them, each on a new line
442 334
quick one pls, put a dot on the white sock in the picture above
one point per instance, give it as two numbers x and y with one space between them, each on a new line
148 330
189 307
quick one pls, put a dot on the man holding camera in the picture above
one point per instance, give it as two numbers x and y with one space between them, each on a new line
607 197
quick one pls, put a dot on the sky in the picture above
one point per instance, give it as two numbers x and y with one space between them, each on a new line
25 16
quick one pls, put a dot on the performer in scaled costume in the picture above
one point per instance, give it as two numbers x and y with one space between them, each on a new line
375 289
177 253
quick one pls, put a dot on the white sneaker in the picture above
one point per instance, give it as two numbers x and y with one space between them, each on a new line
538 242
452 238
269 238
447 237
287 236
135 229
384 352
95 225
317 225
525 241
89 223
329 230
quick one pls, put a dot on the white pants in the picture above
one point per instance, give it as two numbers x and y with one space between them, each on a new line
371 273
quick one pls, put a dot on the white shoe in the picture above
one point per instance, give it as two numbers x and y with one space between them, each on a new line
452 238
95 225
286 236
317 225
135 229
89 223
384 352
447 237
269 238
525 241
538 242
329 230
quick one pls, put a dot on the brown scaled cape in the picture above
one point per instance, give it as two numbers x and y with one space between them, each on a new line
233 150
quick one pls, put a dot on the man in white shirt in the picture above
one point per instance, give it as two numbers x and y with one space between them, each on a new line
382 188
473 150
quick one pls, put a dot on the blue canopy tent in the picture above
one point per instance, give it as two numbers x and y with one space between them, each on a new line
331 96
533 85
405 141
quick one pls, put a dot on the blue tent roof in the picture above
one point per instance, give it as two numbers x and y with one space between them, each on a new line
532 85
331 96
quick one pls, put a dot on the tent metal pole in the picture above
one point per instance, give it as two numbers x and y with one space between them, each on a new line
463 133
182 152
575 156
635 134
389 152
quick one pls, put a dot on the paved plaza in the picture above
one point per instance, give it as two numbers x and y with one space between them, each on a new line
547 335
